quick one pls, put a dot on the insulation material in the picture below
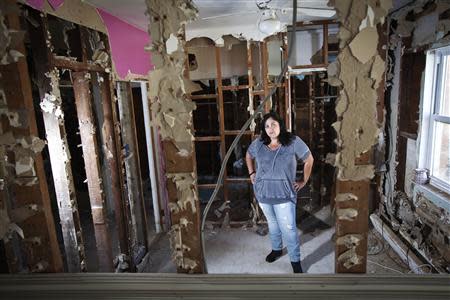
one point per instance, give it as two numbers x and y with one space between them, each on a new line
358 72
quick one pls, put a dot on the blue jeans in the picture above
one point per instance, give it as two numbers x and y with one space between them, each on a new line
281 220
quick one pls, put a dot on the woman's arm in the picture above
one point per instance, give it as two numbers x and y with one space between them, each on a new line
307 168
250 167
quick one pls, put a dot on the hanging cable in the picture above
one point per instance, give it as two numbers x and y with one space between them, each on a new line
244 127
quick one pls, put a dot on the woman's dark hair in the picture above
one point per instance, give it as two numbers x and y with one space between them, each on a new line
285 137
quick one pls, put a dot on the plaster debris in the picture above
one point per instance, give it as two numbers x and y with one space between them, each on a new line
50 105
350 240
172 44
348 214
368 21
172 115
185 190
349 258
346 197
25 167
353 73
364 45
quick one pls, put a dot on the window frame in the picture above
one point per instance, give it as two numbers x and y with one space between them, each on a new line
432 97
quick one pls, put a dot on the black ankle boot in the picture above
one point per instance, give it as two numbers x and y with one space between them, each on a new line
296 267
274 255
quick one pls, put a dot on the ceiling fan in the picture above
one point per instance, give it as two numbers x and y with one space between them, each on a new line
269 21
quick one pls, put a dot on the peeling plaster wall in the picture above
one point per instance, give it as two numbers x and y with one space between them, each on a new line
423 218
358 72
75 11
172 114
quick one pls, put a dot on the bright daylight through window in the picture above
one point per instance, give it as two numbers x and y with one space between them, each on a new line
438 148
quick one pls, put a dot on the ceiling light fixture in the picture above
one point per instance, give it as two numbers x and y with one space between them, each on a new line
269 23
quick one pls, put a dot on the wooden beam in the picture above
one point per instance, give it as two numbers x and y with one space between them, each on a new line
110 153
221 117
138 227
310 66
325 44
352 203
264 62
83 101
234 87
236 132
66 63
207 138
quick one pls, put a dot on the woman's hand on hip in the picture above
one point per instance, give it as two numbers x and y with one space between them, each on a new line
252 178
299 185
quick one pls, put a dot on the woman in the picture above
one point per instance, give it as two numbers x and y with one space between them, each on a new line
276 153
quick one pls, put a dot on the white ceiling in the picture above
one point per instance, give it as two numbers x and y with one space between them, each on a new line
216 17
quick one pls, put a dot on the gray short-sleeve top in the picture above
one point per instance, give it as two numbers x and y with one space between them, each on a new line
275 170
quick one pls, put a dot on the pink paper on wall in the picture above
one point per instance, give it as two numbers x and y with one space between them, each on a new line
127 46
55 4
37 4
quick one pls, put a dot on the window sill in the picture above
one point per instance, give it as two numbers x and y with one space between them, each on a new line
435 195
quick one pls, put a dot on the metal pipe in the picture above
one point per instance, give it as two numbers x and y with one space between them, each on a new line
150 156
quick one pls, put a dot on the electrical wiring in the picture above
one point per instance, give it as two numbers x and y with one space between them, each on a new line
385 267
244 127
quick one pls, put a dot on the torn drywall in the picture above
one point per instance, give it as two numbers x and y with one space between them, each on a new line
346 197
348 214
350 258
185 183
350 240
172 114
357 72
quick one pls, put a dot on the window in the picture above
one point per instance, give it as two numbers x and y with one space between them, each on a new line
435 129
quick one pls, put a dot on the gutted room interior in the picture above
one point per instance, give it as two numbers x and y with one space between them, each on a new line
125 126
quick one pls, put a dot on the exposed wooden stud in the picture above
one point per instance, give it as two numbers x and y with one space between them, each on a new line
16 85
221 117
325 44
58 149
313 23
236 132
207 138
349 224
207 186
111 156
234 87
264 62
309 66
138 228
287 85
66 63
83 101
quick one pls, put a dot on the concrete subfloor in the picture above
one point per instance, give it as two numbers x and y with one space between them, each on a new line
243 251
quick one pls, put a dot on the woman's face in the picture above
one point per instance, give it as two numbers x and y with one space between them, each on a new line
272 128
